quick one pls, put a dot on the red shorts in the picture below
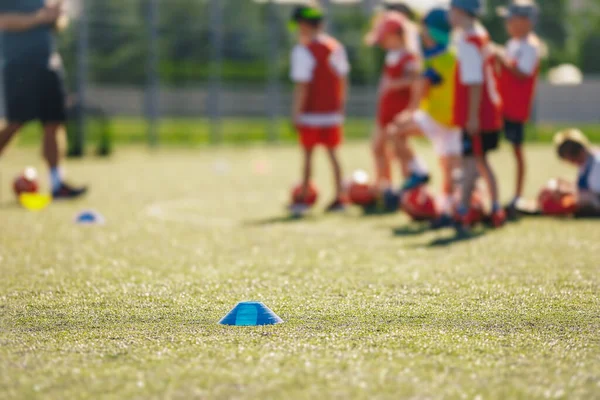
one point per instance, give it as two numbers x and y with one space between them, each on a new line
330 137
386 115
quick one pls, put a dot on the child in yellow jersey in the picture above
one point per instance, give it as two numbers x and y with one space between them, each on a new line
431 113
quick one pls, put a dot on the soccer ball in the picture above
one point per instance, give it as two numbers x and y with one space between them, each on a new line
360 192
476 212
309 198
27 182
551 201
419 204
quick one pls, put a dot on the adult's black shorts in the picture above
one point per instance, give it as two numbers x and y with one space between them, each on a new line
34 92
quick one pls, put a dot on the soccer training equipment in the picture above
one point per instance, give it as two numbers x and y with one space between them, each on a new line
27 182
553 202
35 201
476 213
306 197
360 192
419 204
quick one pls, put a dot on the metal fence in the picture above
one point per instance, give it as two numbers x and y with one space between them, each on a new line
209 60
214 61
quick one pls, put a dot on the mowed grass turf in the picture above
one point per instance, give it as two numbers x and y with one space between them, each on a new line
374 307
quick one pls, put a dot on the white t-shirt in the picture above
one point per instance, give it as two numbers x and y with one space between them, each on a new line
393 57
525 52
303 63
470 58
589 176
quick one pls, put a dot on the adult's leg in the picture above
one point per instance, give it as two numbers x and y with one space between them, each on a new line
51 153
6 134
50 146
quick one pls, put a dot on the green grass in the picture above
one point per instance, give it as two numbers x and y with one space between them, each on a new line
243 131
372 307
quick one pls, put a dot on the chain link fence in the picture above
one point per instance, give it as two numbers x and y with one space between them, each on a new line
217 70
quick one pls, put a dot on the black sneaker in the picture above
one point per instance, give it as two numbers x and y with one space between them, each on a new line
445 221
66 191
338 205
391 200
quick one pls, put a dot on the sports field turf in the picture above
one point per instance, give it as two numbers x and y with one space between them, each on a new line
373 306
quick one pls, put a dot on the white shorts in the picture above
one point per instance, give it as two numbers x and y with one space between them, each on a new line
446 141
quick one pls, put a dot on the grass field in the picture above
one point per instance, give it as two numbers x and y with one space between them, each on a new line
374 307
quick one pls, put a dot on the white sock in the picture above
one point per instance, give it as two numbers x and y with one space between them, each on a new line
55 178
418 166
446 204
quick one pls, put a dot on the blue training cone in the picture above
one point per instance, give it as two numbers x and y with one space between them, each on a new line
250 313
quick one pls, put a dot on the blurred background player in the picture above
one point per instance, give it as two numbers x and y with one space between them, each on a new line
519 71
477 106
434 118
413 39
401 69
33 80
319 69
573 146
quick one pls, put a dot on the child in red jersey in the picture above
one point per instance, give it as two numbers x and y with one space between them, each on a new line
391 33
477 105
519 72
319 67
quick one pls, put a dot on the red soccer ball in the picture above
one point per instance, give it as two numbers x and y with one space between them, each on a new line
309 198
26 182
554 203
419 204
477 209
361 194
360 191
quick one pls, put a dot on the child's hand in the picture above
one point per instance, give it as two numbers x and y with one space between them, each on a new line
404 117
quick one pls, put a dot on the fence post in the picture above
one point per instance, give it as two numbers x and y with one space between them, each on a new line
273 93
216 65
326 4
152 90
83 39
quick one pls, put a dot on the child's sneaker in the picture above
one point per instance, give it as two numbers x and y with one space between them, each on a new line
298 209
445 221
391 201
414 181
498 218
338 205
